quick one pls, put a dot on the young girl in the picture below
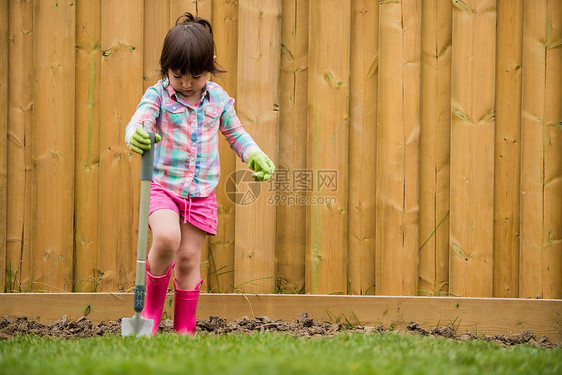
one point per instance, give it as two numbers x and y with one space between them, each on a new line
186 111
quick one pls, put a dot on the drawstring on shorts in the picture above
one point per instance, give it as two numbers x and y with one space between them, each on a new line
187 210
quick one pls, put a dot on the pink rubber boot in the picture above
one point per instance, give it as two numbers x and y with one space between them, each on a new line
156 288
185 309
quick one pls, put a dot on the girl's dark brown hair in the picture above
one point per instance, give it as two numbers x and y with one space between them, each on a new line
189 47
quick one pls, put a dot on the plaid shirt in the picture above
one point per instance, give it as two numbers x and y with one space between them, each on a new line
186 160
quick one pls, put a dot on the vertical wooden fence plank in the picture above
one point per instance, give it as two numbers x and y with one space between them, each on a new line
3 136
532 149
472 148
552 267
178 7
122 88
53 144
259 39
156 26
507 148
221 246
363 146
88 60
291 231
435 148
20 106
541 136
328 146
205 9
200 8
397 194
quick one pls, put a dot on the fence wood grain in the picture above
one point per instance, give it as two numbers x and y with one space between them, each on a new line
328 140
205 9
178 7
53 145
20 104
552 266
155 29
541 182
122 86
435 148
507 172
259 36
86 199
363 146
397 215
472 148
291 232
3 135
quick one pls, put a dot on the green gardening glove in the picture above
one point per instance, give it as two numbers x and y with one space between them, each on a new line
262 165
140 142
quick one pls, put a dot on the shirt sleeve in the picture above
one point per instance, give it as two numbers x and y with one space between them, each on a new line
146 114
238 138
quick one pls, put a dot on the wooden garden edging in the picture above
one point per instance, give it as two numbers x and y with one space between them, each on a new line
479 315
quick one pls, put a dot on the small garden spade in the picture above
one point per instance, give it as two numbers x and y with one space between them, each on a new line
137 325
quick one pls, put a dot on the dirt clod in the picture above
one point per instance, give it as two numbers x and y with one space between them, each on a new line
447 331
303 326
415 328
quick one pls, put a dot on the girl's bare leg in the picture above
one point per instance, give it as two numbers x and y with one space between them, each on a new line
188 256
166 238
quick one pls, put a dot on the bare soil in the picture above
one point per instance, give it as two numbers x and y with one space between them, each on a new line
303 326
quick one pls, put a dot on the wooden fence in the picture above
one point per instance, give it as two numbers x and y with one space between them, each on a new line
418 144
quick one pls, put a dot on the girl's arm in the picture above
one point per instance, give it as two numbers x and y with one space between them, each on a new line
241 142
146 114
238 138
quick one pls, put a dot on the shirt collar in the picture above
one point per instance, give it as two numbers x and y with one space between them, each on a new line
179 98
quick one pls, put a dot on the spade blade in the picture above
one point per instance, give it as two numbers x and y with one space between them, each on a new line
136 326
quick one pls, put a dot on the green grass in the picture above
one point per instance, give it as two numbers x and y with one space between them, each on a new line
389 353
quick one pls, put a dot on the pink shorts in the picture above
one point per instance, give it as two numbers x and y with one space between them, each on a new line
201 212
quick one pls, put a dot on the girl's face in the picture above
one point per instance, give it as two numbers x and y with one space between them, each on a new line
190 86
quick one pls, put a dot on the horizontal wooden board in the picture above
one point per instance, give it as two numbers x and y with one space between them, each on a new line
487 316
